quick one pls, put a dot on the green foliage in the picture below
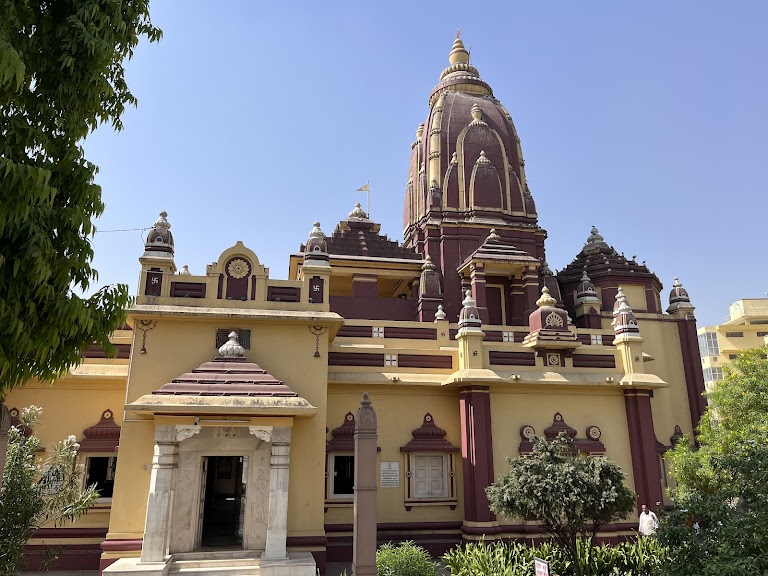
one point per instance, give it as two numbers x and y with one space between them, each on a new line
35 492
719 524
571 494
643 557
61 75
406 559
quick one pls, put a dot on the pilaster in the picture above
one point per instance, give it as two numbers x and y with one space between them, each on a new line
476 453
156 528
642 445
277 522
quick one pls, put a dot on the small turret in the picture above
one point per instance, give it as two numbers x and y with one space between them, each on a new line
624 321
679 301
469 317
316 248
159 239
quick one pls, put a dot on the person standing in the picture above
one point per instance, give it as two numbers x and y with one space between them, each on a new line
648 521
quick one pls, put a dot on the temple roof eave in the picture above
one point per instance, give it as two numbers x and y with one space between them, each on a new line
220 405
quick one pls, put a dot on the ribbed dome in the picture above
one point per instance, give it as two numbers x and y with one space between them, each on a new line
466 162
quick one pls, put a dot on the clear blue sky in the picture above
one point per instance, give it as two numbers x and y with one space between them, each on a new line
645 119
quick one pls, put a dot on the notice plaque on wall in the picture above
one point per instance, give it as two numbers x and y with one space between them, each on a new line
390 475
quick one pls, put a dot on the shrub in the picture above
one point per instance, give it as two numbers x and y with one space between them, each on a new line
640 558
36 491
407 559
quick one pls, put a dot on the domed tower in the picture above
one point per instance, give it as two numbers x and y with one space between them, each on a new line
466 177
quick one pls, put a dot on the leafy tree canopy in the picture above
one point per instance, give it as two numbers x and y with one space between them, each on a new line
719 524
61 75
571 494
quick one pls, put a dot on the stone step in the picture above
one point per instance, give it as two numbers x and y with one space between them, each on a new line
179 565
235 553
218 570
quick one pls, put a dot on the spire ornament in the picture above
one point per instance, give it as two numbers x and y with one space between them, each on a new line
358 213
469 317
232 348
440 314
545 300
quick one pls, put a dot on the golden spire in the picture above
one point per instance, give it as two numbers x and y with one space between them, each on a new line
459 54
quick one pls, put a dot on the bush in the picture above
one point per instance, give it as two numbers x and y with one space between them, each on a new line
640 558
407 559
35 491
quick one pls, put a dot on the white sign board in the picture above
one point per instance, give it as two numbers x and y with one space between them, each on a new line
542 567
390 475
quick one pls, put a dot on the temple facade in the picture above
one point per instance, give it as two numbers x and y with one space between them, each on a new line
222 433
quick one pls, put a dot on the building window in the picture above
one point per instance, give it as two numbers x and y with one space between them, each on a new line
378 332
762 334
732 356
596 340
100 470
429 474
429 467
341 476
507 336
713 374
708 345
390 360
734 334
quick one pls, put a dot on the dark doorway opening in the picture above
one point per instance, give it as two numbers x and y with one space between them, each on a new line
223 502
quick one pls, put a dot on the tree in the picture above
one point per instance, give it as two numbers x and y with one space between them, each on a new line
35 493
571 494
61 75
719 524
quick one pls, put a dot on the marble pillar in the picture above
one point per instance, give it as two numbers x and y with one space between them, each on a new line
277 522
156 529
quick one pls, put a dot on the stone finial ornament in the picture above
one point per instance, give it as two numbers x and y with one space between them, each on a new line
469 317
428 264
619 297
595 237
545 300
358 213
185 271
232 348
365 420
159 239
483 159
420 131
458 54
624 321
477 116
440 314
585 290
493 237
678 298
316 248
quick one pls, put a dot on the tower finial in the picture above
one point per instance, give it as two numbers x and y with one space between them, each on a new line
458 32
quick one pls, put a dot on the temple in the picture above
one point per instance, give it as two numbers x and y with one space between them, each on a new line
222 433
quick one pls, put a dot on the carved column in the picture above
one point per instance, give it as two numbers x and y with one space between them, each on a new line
277 522
364 529
156 529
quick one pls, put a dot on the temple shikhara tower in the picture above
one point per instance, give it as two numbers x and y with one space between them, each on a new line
222 434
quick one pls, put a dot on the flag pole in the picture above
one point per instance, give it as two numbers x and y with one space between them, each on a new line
368 193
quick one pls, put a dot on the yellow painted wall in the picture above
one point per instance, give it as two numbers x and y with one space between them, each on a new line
400 410
179 345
